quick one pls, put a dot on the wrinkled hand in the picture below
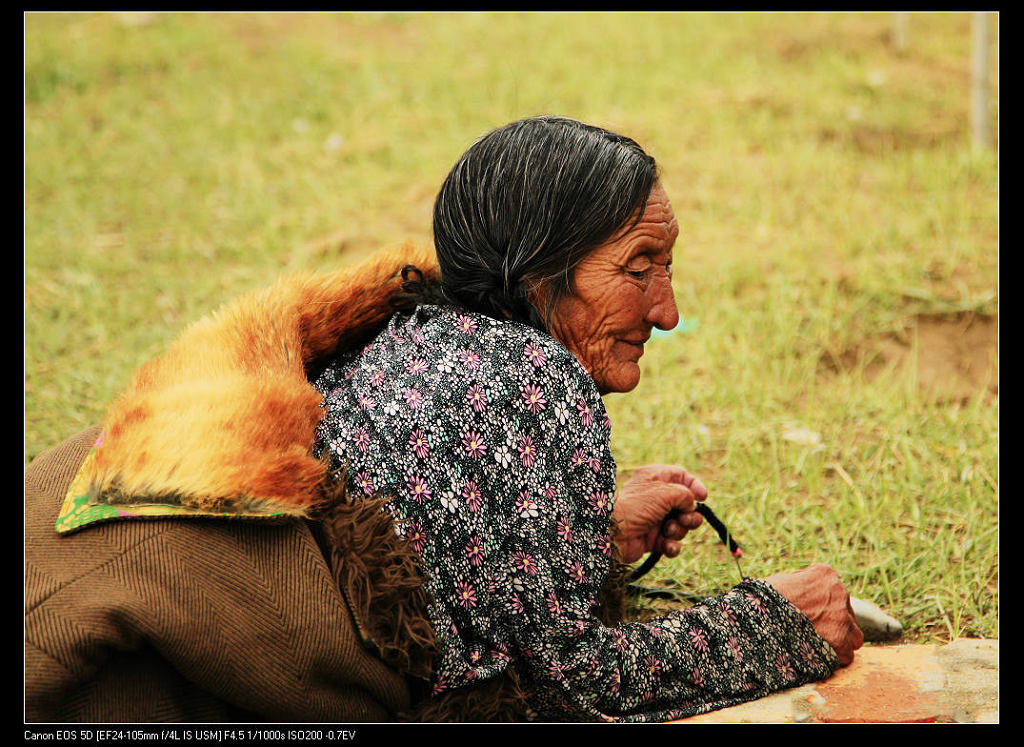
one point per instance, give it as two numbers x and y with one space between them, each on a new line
818 593
646 500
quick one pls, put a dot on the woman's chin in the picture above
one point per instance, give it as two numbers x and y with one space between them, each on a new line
623 379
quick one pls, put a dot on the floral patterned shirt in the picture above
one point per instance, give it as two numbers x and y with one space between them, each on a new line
493 445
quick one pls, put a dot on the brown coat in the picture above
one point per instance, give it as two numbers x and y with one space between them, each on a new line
188 620
218 618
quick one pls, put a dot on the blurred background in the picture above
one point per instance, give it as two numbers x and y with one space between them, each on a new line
835 177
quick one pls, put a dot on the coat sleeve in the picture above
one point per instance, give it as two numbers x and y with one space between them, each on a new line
729 649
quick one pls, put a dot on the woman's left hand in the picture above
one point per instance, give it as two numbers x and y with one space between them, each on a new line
644 503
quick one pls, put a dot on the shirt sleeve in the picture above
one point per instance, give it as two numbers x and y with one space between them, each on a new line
550 557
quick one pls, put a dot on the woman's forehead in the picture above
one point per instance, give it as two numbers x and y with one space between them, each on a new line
656 231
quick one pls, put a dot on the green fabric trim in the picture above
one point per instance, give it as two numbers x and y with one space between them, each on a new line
80 510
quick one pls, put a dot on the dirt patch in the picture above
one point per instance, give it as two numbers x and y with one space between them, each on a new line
956 355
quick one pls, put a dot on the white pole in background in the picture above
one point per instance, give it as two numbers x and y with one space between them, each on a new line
899 29
980 134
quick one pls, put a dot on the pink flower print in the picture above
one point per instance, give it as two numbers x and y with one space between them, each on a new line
396 337
595 464
534 397
755 602
470 359
579 456
553 604
784 667
604 544
600 502
586 416
729 615
361 438
516 605
527 451
366 402
535 354
653 664
698 639
564 529
500 653
550 492
440 685
364 481
526 506
417 337
472 495
376 378
475 551
465 324
419 443
735 648
413 398
525 562
418 489
654 630
697 676
557 670
475 656
415 535
417 367
474 444
606 421
476 398
621 642
576 572
466 594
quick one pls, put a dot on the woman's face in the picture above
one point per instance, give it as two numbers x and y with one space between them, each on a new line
623 291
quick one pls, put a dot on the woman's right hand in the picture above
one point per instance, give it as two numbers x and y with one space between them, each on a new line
818 593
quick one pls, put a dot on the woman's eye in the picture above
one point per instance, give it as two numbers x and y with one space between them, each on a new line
638 270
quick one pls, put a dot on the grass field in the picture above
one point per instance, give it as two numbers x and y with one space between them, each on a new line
835 378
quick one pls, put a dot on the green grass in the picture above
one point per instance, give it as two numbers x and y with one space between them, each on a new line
826 187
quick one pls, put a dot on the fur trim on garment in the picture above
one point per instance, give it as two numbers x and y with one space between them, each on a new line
225 418
379 574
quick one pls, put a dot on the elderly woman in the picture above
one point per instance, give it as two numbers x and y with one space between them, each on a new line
315 507
478 412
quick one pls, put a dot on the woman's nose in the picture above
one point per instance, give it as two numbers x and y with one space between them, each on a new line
662 312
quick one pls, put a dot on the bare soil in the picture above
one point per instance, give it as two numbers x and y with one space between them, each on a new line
956 356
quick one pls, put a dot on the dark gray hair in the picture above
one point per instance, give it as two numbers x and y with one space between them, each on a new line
525 204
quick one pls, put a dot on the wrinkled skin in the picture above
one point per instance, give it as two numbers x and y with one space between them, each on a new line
624 291
818 593
640 510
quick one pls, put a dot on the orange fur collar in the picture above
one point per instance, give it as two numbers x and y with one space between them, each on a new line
224 420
